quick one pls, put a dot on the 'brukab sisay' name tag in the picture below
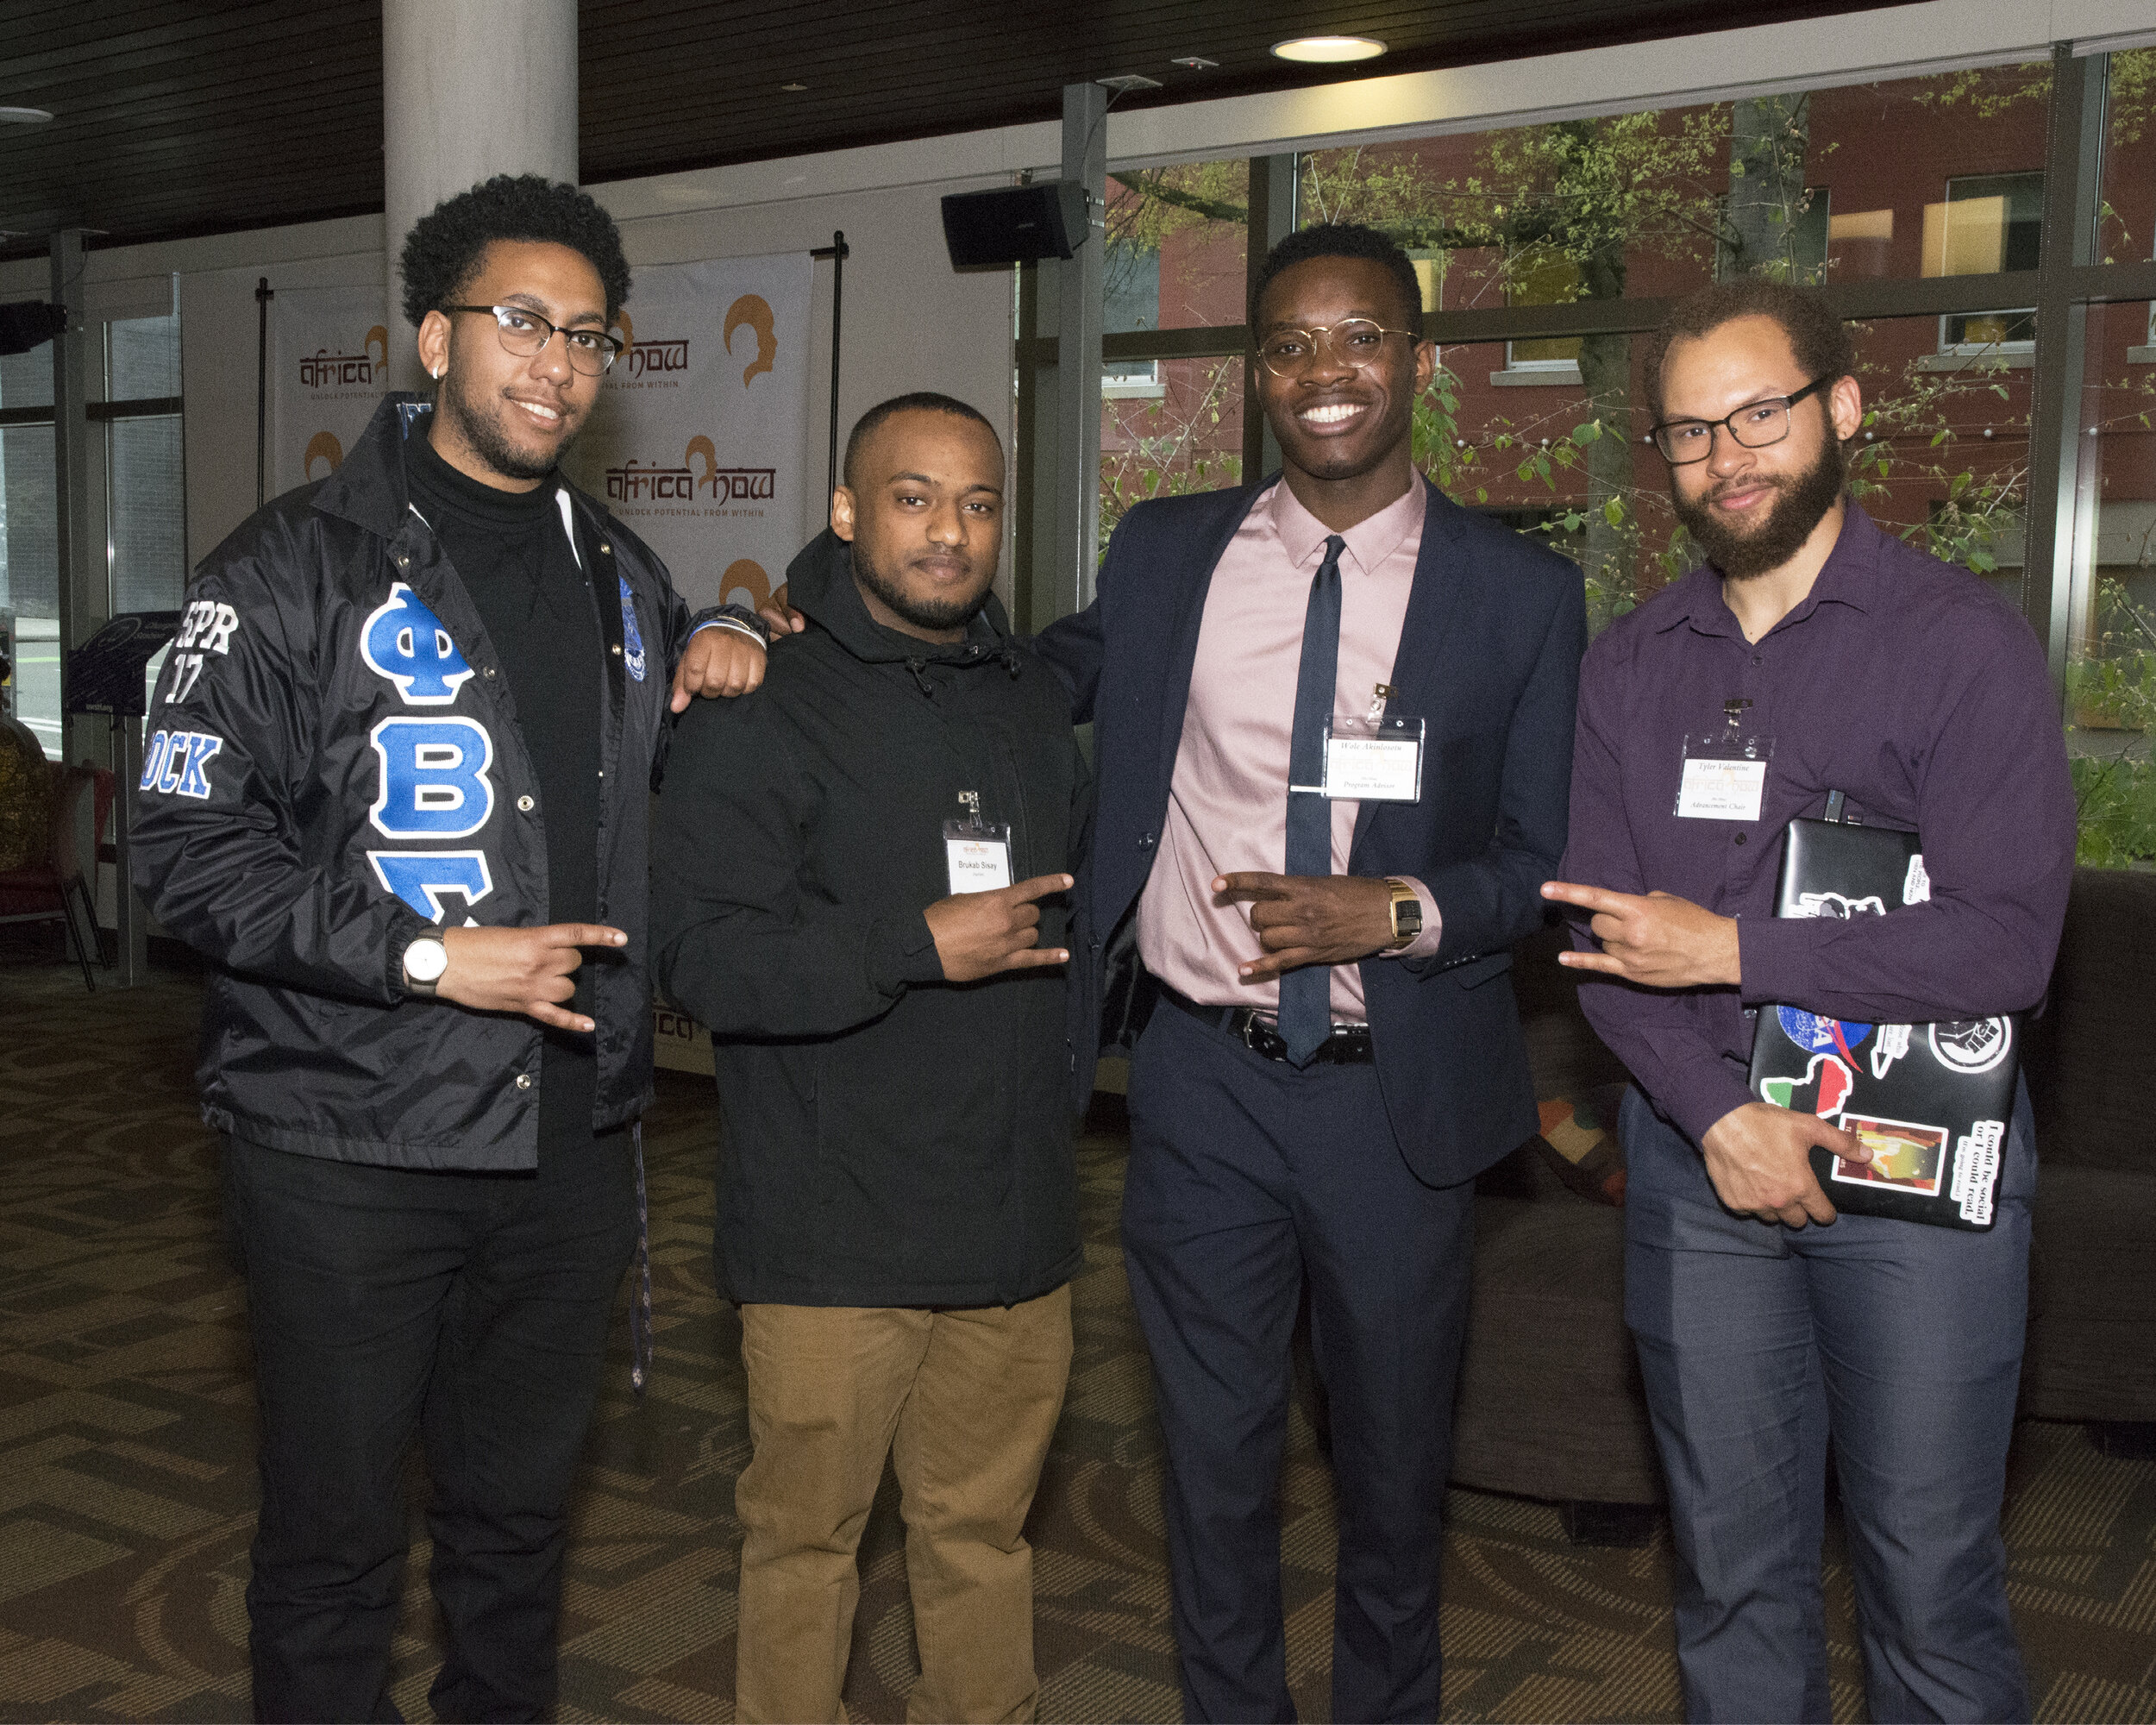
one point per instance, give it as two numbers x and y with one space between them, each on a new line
978 857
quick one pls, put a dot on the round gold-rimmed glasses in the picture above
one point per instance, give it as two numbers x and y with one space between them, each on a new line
1358 341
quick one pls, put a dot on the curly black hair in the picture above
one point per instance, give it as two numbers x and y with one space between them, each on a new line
1818 339
1342 240
442 252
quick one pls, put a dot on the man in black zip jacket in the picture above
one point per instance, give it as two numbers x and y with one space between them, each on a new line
897 1200
398 780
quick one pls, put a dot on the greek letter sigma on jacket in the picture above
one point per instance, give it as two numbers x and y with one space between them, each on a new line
333 762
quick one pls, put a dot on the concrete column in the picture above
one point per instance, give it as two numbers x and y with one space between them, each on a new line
470 89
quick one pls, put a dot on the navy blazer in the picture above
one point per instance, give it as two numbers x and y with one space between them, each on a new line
1489 657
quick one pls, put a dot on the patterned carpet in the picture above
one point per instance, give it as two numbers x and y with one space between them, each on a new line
127 1485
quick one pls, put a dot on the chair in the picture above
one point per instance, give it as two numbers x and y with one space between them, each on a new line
54 885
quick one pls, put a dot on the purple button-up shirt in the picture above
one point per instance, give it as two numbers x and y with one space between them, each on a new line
1905 682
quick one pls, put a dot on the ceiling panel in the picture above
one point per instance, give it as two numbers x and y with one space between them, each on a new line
183 117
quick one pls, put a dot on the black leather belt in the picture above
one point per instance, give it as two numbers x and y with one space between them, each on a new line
1348 1045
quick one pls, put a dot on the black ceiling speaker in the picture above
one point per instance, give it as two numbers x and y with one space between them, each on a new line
1015 224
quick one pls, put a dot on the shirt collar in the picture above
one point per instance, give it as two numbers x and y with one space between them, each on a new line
1849 576
1370 541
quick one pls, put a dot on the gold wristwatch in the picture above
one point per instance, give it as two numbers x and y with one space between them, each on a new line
1406 910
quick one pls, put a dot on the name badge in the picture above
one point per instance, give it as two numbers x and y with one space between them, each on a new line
976 852
1376 761
1725 775
1721 790
977 864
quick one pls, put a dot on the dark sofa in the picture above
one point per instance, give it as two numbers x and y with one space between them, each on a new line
1550 1404
2092 1273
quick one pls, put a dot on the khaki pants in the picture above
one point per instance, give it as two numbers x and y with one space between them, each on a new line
964 1401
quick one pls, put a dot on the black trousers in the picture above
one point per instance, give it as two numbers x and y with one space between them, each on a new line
1249 1181
384 1303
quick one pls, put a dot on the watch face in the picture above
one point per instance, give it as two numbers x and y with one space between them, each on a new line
425 959
1406 915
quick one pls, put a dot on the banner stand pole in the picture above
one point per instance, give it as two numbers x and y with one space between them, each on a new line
262 298
838 251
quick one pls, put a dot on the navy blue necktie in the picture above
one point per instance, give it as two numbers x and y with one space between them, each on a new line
1305 995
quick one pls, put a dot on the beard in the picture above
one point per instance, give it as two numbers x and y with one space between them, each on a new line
1802 500
922 613
487 439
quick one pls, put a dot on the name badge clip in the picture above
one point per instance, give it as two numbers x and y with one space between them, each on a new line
976 852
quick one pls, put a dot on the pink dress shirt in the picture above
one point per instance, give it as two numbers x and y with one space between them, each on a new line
1227 803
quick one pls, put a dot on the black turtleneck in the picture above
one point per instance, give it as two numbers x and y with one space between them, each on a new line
511 550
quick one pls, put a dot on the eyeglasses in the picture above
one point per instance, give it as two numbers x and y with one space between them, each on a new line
1755 425
526 332
1355 340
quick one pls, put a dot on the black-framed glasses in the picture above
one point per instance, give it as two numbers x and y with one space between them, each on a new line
1287 354
525 333
1754 425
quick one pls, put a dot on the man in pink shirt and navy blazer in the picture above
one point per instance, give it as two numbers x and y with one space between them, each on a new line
1325 1050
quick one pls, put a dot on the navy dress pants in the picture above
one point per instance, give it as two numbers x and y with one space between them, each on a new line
1247 1178
386 1303
1898 1344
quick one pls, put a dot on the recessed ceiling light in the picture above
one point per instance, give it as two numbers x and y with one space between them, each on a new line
1195 63
23 116
1330 50
795 88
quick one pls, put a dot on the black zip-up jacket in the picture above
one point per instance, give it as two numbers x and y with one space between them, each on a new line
333 762
889 1139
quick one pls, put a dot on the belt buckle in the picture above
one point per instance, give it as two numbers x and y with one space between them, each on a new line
1262 1038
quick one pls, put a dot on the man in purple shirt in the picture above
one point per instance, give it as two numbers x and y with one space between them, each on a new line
1765 1324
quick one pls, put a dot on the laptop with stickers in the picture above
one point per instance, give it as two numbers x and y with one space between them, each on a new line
1930 1101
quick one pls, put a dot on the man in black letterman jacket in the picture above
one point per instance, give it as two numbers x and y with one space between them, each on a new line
397 787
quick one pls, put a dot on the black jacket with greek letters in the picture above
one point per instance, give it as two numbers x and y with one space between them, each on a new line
333 762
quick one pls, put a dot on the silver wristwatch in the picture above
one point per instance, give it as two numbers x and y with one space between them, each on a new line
425 959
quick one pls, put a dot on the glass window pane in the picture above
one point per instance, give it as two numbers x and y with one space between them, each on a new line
143 357
1177 238
149 514
1987 223
2111 668
1187 436
1828 185
1942 458
29 571
1546 276
2127 228
1553 454
29 523
25 379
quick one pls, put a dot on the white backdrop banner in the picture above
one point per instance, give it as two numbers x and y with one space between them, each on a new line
696 443
328 359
